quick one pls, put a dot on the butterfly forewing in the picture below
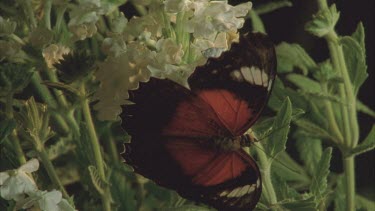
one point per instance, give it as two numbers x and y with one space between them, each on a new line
247 71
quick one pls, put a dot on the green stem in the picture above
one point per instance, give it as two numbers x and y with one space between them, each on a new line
51 170
45 94
344 113
349 167
94 141
265 166
59 18
47 13
348 112
331 117
13 136
29 12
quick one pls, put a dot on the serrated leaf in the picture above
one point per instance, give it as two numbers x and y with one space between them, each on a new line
282 189
124 195
300 205
279 93
365 109
7 27
97 181
364 203
272 6
256 22
280 129
319 181
290 56
323 22
313 130
14 77
359 36
355 60
59 148
304 82
6 128
310 150
290 171
367 145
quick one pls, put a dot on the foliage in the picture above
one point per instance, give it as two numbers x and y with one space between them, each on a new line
66 68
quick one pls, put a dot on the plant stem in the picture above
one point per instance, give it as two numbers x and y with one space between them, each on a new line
348 112
29 12
96 148
45 94
13 136
47 13
51 170
265 165
349 167
331 117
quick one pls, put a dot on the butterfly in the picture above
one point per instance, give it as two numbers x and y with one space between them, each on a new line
190 140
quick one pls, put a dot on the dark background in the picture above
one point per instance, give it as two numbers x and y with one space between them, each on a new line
287 24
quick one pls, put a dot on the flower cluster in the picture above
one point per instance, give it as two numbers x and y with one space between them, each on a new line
170 41
19 186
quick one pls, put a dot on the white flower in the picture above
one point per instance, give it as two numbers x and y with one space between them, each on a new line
169 52
216 16
119 74
15 184
45 201
82 25
54 53
174 6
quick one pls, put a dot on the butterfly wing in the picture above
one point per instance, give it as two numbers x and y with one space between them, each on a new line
170 127
237 85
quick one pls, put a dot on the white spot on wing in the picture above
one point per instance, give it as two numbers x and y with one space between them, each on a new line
254 75
252 189
236 75
234 193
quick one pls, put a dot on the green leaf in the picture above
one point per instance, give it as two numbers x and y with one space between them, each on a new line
300 205
6 128
124 195
14 77
272 6
257 22
279 93
97 181
7 27
326 73
365 109
280 129
59 148
289 170
364 203
40 36
319 183
282 189
323 22
355 61
310 150
313 130
359 36
367 145
304 82
290 56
